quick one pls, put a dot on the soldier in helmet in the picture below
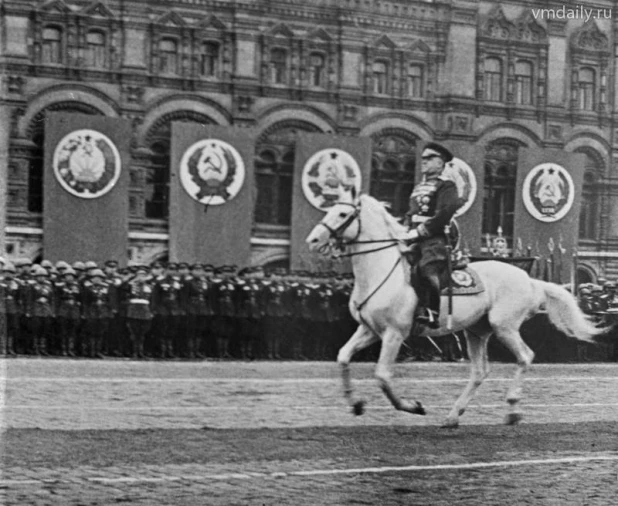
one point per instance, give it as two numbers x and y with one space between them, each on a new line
166 306
197 300
80 269
39 309
68 295
98 310
276 313
10 308
433 203
138 293
224 286
250 310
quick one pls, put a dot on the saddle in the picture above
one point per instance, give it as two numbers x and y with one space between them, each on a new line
464 279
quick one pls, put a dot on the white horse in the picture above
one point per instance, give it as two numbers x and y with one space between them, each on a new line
383 303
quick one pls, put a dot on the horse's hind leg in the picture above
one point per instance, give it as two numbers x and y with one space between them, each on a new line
362 338
391 342
524 355
476 339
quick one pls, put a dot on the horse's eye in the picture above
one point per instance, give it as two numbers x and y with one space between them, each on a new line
341 215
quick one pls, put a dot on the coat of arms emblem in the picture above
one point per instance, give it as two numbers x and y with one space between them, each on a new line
86 163
548 192
463 176
324 172
212 171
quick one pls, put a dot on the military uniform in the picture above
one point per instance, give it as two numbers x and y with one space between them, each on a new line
138 293
68 311
98 311
166 306
225 310
276 316
197 300
433 203
39 310
250 313
327 314
10 310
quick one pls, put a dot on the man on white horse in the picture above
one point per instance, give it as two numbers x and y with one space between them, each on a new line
433 203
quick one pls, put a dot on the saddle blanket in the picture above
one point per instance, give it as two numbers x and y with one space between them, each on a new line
465 282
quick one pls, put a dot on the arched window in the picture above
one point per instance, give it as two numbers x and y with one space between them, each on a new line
415 81
52 45
393 163
209 61
589 210
168 56
380 77
493 79
316 70
523 82
500 184
278 66
95 49
274 169
587 87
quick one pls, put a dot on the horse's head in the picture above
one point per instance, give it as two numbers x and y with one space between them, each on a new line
341 223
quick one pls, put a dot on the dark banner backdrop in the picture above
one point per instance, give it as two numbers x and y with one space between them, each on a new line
77 228
305 216
470 221
203 232
536 233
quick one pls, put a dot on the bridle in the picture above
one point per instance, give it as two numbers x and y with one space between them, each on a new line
337 243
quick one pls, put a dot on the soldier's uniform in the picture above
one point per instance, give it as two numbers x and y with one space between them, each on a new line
117 339
98 310
39 309
138 293
68 295
166 306
224 286
302 318
277 314
327 315
197 299
250 312
433 203
10 309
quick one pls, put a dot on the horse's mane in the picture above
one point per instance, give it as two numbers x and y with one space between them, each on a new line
393 227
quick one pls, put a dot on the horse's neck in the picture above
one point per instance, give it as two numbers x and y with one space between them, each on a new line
370 269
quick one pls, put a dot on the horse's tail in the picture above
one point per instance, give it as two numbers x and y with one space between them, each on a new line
564 313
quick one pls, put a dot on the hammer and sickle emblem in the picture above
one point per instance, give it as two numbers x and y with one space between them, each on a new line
210 161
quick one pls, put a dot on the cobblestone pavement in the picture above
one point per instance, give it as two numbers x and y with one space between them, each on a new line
231 433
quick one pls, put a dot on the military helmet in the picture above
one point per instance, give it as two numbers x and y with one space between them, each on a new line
37 270
46 264
90 264
61 265
79 266
585 291
8 267
68 271
95 273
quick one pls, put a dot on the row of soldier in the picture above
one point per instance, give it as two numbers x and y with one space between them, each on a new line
599 299
177 310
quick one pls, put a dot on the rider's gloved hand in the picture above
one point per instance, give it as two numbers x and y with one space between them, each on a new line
406 240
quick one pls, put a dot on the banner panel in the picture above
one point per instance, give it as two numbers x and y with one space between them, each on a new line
322 162
548 198
212 194
85 181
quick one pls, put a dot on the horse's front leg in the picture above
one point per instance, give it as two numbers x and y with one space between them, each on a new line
362 338
391 342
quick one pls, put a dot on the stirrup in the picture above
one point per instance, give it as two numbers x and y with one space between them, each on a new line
429 319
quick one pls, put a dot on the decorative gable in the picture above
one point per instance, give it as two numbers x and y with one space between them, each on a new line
590 38
420 46
282 31
497 26
320 34
385 41
57 6
171 19
98 9
528 29
212 21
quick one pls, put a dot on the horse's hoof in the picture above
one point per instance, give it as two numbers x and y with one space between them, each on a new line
358 408
450 423
513 418
418 409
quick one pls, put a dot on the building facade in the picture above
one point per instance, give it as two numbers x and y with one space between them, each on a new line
500 76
